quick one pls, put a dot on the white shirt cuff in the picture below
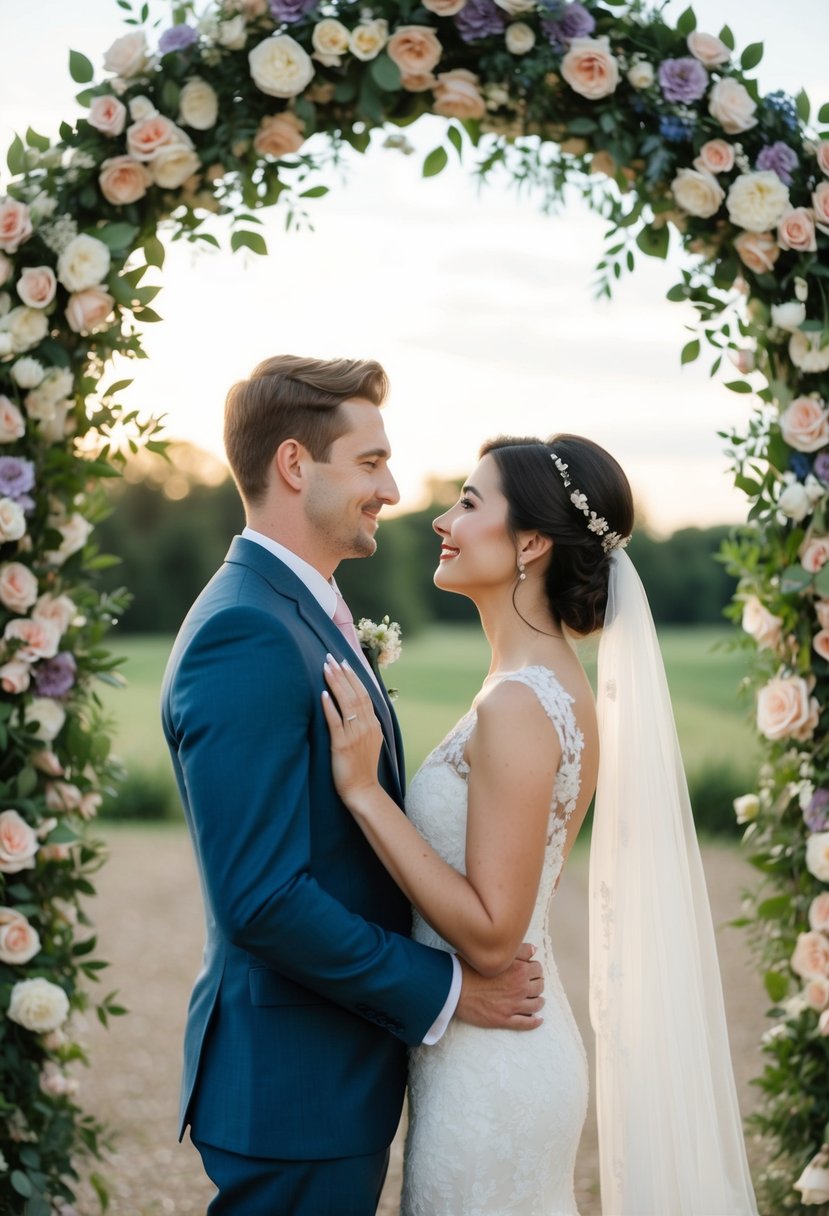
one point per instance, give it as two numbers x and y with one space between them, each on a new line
438 1027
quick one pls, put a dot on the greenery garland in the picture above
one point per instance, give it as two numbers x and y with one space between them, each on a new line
664 130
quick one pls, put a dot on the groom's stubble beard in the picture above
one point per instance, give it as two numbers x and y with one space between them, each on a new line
342 537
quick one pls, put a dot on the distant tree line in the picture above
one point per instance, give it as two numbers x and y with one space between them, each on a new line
170 546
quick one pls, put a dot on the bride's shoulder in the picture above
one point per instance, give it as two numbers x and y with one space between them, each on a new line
524 692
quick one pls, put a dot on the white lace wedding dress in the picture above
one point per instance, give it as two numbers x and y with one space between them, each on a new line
495 1116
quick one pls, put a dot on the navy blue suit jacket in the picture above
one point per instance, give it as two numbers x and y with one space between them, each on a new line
311 988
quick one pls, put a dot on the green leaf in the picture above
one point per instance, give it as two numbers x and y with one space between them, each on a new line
149 314
41 142
26 782
117 387
739 386
751 56
16 156
435 162
822 581
80 68
170 94
823 113
727 37
804 106
654 241
117 236
582 126
776 985
20 1182
248 240
794 579
314 192
687 22
456 140
154 251
385 73
690 352
748 485
775 908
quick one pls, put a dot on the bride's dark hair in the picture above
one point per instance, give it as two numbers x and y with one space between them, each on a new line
538 500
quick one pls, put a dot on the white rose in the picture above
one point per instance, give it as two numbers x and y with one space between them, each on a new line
757 201
280 67
519 38
817 855
731 105
38 1005
84 263
128 55
806 352
141 108
761 624
25 328
18 587
233 34
75 533
12 520
517 7
641 74
788 316
198 105
697 192
330 40
746 807
813 1183
794 502
49 716
27 373
368 39
173 164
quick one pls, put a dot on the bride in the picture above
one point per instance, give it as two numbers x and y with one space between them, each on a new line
537 542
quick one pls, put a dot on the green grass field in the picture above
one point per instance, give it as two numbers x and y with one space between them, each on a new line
440 671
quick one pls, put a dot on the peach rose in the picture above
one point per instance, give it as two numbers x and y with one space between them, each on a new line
730 103
715 156
697 192
820 643
819 912
39 639
796 230
785 709
88 311
18 843
107 115
822 154
710 51
123 180
18 587
12 424
128 55
820 206
415 49
19 942
279 134
805 425
457 95
37 286
761 624
816 992
814 553
418 84
146 136
15 676
15 224
590 69
60 610
444 8
811 955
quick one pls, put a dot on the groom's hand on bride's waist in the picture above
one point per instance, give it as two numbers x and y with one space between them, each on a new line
510 1001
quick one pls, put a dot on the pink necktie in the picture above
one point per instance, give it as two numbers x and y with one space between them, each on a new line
345 623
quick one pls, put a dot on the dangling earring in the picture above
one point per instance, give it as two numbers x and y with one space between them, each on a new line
521 574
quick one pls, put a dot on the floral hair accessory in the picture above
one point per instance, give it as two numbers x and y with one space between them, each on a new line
595 523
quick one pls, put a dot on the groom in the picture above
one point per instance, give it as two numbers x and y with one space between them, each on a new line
311 988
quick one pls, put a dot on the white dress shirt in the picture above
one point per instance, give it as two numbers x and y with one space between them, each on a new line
326 596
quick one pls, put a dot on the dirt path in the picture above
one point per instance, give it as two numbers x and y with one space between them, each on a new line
149 920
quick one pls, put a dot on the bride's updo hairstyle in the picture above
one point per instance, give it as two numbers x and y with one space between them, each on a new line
539 499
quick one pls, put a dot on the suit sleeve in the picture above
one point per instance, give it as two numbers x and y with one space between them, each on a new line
244 754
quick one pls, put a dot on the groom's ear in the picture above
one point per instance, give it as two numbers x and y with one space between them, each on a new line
289 463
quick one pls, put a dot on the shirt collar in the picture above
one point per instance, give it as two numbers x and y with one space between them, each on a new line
323 592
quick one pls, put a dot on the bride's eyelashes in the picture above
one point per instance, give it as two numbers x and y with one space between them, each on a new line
467 504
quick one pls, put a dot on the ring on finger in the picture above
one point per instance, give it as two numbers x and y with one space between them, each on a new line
351 718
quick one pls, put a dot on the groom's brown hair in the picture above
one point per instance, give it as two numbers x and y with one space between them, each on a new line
291 397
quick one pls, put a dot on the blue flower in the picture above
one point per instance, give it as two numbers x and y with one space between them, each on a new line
676 130
785 107
800 465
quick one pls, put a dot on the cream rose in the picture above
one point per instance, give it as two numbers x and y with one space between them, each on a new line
280 67
805 425
444 8
84 263
820 205
806 352
172 165
368 39
26 327
38 1005
330 40
590 69
198 105
817 855
18 587
785 709
789 316
15 224
796 230
19 942
27 372
37 286
49 716
697 192
233 33
811 955
415 49
141 108
746 808
18 843
88 311
813 1183
147 136
715 156
39 639
820 643
123 179
814 553
730 103
757 201
12 520
457 95
710 51
279 134
15 676
128 55
641 74
761 624
519 38
12 425
74 532
794 501
517 8
107 115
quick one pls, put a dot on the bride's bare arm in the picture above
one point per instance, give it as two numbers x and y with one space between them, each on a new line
514 755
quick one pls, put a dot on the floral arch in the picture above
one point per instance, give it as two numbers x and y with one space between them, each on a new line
214 114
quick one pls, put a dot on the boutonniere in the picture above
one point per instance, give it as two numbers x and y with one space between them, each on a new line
381 641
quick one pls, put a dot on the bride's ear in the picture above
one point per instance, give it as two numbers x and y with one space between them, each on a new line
532 546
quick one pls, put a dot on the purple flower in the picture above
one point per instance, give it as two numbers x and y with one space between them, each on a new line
17 477
178 38
54 677
816 814
780 159
479 19
289 11
573 21
683 80
821 467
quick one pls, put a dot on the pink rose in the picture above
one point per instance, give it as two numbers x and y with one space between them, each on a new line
18 940
715 156
15 224
107 115
785 709
18 844
15 676
279 134
444 8
123 180
757 250
18 587
761 624
457 95
822 613
88 311
415 49
37 286
805 425
62 796
820 643
12 425
148 135
590 69
822 154
816 992
40 639
796 230
58 609
819 912
710 51
730 103
811 955
820 203
814 553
